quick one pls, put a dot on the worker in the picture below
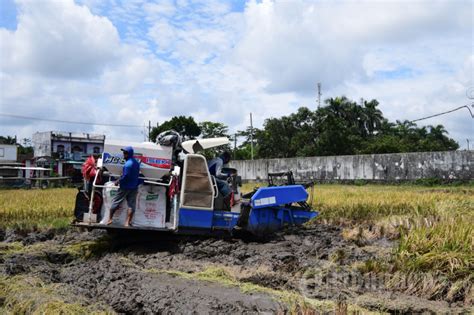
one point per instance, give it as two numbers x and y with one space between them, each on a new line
215 169
128 186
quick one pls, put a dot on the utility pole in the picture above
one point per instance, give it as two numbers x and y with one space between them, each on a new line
251 136
149 131
467 144
235 144
319 94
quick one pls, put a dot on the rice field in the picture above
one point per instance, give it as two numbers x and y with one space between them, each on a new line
434 226
37 208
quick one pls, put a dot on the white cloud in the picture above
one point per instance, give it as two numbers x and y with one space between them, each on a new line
294 45
58 39
149 60
127 77
63 62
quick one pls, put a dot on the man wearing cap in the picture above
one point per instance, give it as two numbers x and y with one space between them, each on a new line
128 188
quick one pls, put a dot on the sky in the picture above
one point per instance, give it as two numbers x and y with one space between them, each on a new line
130 62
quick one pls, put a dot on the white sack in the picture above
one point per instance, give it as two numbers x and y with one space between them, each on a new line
120 215
151 207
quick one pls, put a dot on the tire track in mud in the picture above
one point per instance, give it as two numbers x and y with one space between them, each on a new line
122 285
120 275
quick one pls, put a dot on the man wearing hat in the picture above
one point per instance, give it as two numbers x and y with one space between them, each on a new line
128 188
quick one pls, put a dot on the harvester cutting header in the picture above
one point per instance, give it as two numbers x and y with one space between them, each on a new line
180 192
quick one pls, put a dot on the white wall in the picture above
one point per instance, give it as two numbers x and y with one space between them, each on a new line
8 152
42 143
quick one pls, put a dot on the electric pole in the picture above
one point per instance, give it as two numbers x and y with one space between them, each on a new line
235 144
319 94
149 131
251 137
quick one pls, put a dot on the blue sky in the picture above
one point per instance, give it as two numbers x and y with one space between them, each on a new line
8 14
133 61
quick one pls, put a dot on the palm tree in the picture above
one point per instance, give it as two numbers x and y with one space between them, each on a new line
438 132
7 140
374 116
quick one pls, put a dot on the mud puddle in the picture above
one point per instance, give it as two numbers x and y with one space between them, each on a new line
208 275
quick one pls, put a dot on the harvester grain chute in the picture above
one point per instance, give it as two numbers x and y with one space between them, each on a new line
179 195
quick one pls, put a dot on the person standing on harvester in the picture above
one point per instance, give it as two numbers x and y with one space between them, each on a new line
128 188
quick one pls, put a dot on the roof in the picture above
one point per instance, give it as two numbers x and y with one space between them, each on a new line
24 168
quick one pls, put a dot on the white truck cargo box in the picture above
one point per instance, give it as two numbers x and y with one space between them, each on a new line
155 160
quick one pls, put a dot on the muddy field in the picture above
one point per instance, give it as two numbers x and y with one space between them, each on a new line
296 270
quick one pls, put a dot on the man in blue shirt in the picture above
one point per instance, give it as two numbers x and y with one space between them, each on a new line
128 189
215 169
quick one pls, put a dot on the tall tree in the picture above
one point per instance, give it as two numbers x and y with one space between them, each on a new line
341 127
185 126
373 116
211 129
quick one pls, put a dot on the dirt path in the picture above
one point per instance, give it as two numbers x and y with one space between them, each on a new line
168 275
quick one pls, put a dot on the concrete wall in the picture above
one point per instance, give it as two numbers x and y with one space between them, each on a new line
384 167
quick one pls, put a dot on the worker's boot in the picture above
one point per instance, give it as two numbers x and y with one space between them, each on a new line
129 218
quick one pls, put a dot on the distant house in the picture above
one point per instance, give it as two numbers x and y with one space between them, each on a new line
65 152
8 153
8 160
67 145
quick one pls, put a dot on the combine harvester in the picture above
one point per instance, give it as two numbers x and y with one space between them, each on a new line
179 196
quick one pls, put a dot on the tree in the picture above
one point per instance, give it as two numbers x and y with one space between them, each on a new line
185 126
373 116
436 140
243 152
7 140
345 127
26 147
341 127
211 129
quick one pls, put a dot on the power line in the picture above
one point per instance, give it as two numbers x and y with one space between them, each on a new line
69 121
447 112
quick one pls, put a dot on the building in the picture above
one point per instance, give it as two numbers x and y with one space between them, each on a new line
8 153
64 152
8 161
67 145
